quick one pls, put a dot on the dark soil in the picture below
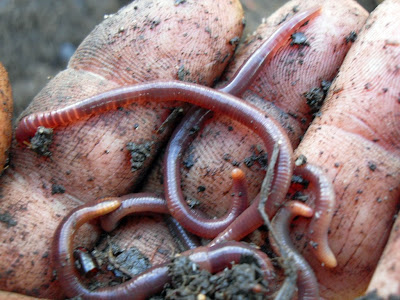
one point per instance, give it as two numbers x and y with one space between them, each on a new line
243 281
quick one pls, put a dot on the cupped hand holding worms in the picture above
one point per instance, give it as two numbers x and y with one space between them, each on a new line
336 285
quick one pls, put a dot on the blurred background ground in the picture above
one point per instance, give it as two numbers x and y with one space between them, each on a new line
37 37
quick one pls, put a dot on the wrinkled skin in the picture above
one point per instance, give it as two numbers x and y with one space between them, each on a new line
89 163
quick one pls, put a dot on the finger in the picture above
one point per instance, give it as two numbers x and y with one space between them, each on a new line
355 141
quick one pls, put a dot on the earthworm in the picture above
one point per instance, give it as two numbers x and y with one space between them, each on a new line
28 125
324 208
194 221
213 259
146 202
268 129
306 281
134 203
241 80
250 69
185 240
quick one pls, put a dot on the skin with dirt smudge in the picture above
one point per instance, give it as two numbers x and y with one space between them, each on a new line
89 159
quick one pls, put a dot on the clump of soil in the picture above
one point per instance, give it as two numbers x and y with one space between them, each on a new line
315 97
139 154
242 281
42 140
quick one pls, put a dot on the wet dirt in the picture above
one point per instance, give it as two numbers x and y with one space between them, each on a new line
242 281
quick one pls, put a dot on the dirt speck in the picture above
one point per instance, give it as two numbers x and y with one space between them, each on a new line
57 189
299 38
371 166
315 97
42 140
351 38
183 73
258 156
7 219
139 154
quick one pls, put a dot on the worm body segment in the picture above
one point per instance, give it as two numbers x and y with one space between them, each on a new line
306 281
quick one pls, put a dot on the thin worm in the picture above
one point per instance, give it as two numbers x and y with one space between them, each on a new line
193 220
185 240
306 281
146 202
268 129
213 259
241 80
324 208
250 69
134 203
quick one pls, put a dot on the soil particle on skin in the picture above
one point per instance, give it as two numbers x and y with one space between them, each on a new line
183 73
243 281
177 2
315 97
139 154
374 296
188 162
7 219
371 166
57 189
42 140
351 38
301 160
201 188
299 38
258 156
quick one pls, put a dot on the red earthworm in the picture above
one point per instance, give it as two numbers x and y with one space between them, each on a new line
306 281
250 69
134 203
213 259
185 240
267 128
241 80
194 221
253 217
146 202
324 209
